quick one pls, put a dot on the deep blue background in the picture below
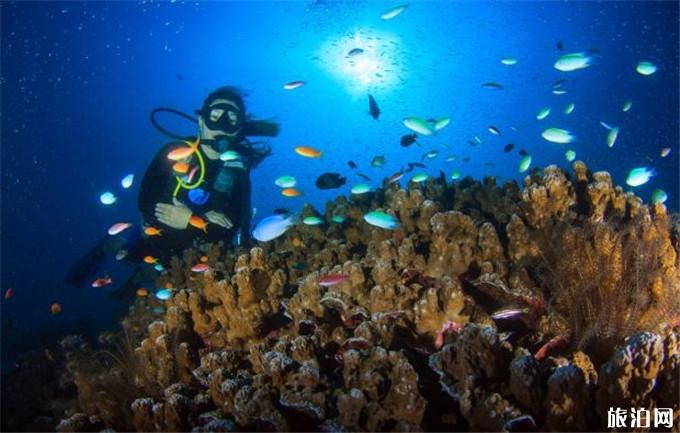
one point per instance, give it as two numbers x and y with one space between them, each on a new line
79 81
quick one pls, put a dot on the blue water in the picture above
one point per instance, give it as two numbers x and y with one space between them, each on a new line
79 81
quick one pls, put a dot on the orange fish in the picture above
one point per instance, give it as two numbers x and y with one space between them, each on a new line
204 259
201 267
191 174
142 292
101 282
55 308
184 152
9 293
168 286
152 231
198 222
180 167
308 152
150 260
290 192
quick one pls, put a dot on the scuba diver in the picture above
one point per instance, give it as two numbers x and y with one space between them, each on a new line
194 191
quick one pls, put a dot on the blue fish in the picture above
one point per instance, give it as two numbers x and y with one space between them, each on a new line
273 226
198 196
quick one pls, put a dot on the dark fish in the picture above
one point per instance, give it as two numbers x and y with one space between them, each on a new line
363 176
466 159
330 181
408 139
412 165
472 143
179 77
560 45
355 52
557 84
373 107
281 211
523 152
352 164
508 147
492 85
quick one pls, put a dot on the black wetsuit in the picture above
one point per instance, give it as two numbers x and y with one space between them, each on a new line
228 186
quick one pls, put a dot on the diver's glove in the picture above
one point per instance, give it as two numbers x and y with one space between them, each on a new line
175 215
219 219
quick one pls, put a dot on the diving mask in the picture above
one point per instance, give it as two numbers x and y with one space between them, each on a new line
225 116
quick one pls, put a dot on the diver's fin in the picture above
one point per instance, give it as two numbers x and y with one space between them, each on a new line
87 266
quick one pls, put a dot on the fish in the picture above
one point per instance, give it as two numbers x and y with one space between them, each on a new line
312 221
640 176
355 52
441 123
378 161
199 223
466 159
184 151
229 155
543 113
494 130
373 107
331 280
559 91
101 282
450 158
108 198
492 85
665 152
158 267
361 188
152 231
164 294
393 12
294 84
573 61
352 164
126 182
198 196
418 125
285 181
180 167
416 164
204 259
308 152
508 147
118 228
338 219
9 293
55 308
509 61
200 267
363 176
611 136
179 77
396 177
430 155
557 135
559 45
190 176
570 155
523 152
524 163
291 192
121 254
420 177
330 181
455 174
646 68
659 196
382 220
408 139
558 84
142 292
272 227
626 106
569 108
150 260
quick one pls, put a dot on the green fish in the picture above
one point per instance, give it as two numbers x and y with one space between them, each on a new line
455 175
627 105
557 135
382 220
312 221
509 61
361 188
646 68
378 161
569 108
420 177
524 163
570 155
286 182
611 137
418 125
573 62
338 219
441 123
659 196
640 176
543 113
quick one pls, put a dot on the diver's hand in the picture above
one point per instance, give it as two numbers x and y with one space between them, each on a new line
219 219
175 215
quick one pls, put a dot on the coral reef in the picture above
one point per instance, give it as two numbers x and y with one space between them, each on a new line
491 308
